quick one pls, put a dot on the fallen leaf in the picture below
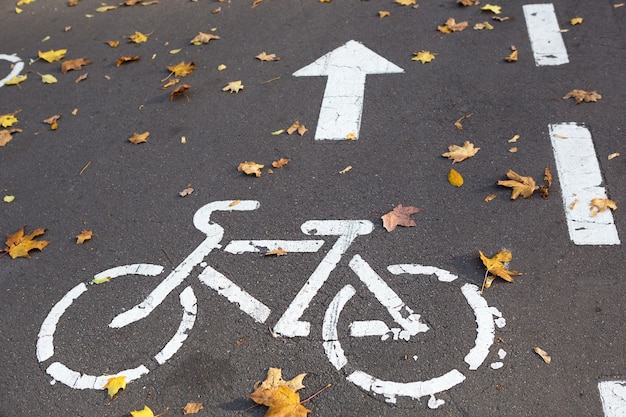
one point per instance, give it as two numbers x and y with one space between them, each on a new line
613 155
186 192
460 153
275 379
458 124
19 245
455 178
423 56
496 265
103 9
282 402
544 355
8 120
467 3
16 80
512 57
277 252
124 59
297 127
115 384
250 168
233 86
405 2
514 139
146 412
582 95
399 216
8 198
52 119
138 37
491 8
489 197
170 83
182 69
74 64
113 44
351 136
48 78
598 205
84 236
524 186
576 21
280 163
180 91
80 78
452 26
221 67
483 25
513 149
7 134
202 38
138 138
544 190
267 57
192 408
346 169
383 13
52 55
573 204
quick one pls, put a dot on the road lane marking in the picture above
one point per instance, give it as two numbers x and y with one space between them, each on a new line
613 395
546 40
580 178
342 106
17 68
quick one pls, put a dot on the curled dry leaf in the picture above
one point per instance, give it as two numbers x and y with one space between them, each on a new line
452 26
276 252
250 168
138 138
182 69
399 216
186 192
280 163
267 57
512 57
544 355
496 265
202 37
83 236
138 37
524 186
383 13
180 90
544 190
458 124
297 127
125 59
582 95
460 153
74 64
598 205
233 86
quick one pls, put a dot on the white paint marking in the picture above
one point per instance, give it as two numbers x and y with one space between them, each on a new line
416 269
496 365
76 380
613 395
580 179
289 246
190 308
346 68
332 346
415 390
434 403
225 287
546 40
17 68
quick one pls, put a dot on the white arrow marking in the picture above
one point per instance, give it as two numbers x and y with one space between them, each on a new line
342 105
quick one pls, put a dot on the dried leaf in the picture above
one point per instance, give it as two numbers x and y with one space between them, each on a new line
277 252
576 21
52 55
267 57
275 379
186 192
250 168
138 37
452 26
84 236
346 169
460 153
19 245
16 80
233 86
496 265
297 127
544 190
74 64
383 13
598 205
512 57
458 124
455 178
180 91
423 56
5 137
138 138
192 408
103 9
489 197
467 3
524 186
282 402
613 155
182 69
582 95
544 355
146 412
202 37
280 163
113 44
48 78
80 78
124 59
483 25
405 2
170 83
399 216
8 120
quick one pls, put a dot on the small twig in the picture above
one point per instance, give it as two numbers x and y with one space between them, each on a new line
316 394
4 254
270 80
251 407
484 281
168 255
84 168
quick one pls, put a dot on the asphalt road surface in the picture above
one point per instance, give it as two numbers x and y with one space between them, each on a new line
206 313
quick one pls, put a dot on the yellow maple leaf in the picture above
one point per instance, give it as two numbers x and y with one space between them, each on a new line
138 138
492 8
524 186
280 395
182 69
460 153
115 384
19 245
267 57
83 236
52 55
233 86
496 266
8 120
202 37
146 412
250 168
138 37
423 56
576 21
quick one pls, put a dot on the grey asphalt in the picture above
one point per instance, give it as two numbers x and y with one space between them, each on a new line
87 175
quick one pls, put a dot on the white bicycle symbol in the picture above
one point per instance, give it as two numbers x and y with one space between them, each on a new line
18 66
407 323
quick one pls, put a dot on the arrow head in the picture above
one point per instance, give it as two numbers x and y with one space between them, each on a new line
352 56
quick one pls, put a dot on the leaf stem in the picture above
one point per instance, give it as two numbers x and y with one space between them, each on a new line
316 394
484 281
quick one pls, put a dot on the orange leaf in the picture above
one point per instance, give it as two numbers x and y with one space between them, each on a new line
19 245
280 163
496 265
138 138
192 408
84 236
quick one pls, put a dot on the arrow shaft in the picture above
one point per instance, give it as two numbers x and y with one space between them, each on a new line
342 106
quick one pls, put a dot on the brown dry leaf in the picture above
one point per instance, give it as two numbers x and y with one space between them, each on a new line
598 205
250 168
19 245
83 236
582 95
490 197
192 408
544 355
138 138
280 163
180 91
74 64
113 44
496 265
182 69
460 153
452 26
124 59
455 178
544 190
52 121
80 78
186 192
613 155
458 124
6 135
170 83
524 186
277 252
202 37
267 57
233 86
512 57
399 216
296 126
467 3
383 13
